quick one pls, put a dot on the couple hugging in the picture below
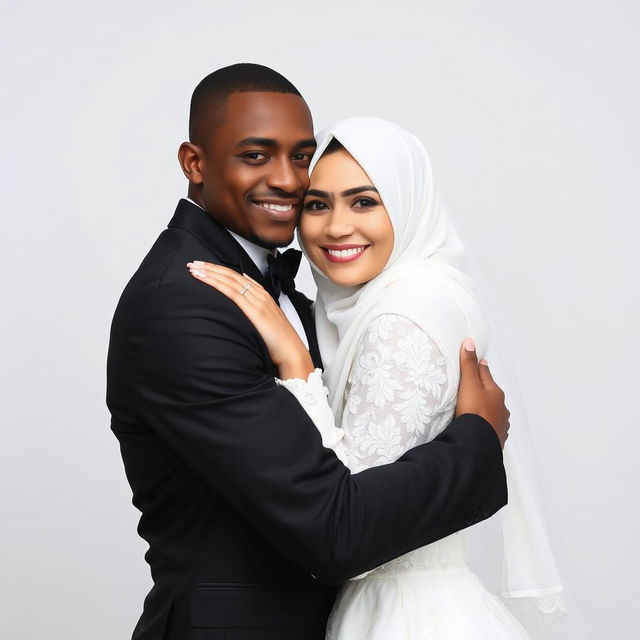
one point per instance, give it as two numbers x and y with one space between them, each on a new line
305 477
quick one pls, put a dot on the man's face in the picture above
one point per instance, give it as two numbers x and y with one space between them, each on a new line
254 166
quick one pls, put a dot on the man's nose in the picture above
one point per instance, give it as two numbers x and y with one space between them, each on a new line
283 176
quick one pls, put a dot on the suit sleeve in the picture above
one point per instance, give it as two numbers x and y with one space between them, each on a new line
197 374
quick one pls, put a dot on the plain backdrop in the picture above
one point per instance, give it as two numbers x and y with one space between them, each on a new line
529 110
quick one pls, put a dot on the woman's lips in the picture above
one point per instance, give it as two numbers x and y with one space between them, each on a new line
344 252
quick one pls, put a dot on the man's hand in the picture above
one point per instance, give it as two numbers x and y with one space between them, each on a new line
479 394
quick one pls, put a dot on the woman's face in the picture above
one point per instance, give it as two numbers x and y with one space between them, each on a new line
344 226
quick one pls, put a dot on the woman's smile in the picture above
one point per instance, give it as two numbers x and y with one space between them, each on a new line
344 252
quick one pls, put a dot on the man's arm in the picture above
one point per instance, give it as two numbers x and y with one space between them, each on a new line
197 374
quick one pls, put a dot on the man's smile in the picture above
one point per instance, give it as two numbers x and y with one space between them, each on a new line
275 207
278 209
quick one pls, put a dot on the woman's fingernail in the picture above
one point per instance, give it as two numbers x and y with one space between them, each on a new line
469 344
484 362
198 263
197 273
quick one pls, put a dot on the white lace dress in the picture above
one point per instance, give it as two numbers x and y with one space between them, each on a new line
400 395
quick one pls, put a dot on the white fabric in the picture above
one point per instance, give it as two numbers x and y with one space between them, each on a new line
399 396
425 283
441 604
259 255
312 395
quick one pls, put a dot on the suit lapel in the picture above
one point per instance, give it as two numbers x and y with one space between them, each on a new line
192 219
199 223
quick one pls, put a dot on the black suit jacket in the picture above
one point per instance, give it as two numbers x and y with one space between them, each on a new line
241 504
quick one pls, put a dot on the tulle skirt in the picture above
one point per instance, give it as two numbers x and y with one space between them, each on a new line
440 604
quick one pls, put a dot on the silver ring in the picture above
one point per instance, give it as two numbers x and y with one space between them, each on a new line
247 286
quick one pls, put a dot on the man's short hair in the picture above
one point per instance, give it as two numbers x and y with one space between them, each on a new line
209 98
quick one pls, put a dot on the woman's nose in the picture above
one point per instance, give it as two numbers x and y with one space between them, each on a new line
339 223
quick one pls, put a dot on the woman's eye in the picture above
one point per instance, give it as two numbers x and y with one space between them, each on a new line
314 205
364 203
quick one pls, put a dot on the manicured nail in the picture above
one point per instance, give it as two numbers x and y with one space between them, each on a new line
469 344
198 274
484 362
198 263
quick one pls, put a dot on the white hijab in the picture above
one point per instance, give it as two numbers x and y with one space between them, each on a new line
424 281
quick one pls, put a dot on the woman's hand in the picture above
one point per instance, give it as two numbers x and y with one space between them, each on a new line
286 349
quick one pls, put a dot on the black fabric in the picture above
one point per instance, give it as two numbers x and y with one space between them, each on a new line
282 271
241 504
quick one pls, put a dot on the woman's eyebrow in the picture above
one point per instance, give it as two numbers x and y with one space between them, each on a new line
344 194
318 193
354 190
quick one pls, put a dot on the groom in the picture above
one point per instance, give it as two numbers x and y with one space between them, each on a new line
250 521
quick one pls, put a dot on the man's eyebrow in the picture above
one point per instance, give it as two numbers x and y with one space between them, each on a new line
272 142
309 142
259 142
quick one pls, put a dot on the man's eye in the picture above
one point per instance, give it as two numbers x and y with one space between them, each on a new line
304 157
254 156
314 205
364 203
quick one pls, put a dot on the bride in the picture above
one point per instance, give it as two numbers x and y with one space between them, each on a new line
393 306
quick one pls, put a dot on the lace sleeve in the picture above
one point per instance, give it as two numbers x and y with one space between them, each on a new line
398 394
312 395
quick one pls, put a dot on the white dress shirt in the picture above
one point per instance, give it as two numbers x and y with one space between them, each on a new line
259 255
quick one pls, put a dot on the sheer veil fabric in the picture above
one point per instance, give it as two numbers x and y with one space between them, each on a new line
426 281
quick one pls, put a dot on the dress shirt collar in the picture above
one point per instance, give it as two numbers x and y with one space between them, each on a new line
257 253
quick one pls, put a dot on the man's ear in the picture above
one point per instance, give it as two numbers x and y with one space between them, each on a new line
190 159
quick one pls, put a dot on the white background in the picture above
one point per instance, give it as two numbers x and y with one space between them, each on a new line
530 113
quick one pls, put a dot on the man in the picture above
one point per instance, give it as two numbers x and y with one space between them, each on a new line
249 520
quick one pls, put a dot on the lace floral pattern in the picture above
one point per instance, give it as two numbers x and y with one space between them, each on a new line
397 395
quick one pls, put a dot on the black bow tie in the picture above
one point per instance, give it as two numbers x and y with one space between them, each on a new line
282 271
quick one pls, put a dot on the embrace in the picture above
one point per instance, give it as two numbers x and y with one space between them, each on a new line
312 470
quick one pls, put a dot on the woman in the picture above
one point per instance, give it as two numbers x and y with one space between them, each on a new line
393 305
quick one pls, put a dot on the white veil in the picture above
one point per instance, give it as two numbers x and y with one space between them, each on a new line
426 281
